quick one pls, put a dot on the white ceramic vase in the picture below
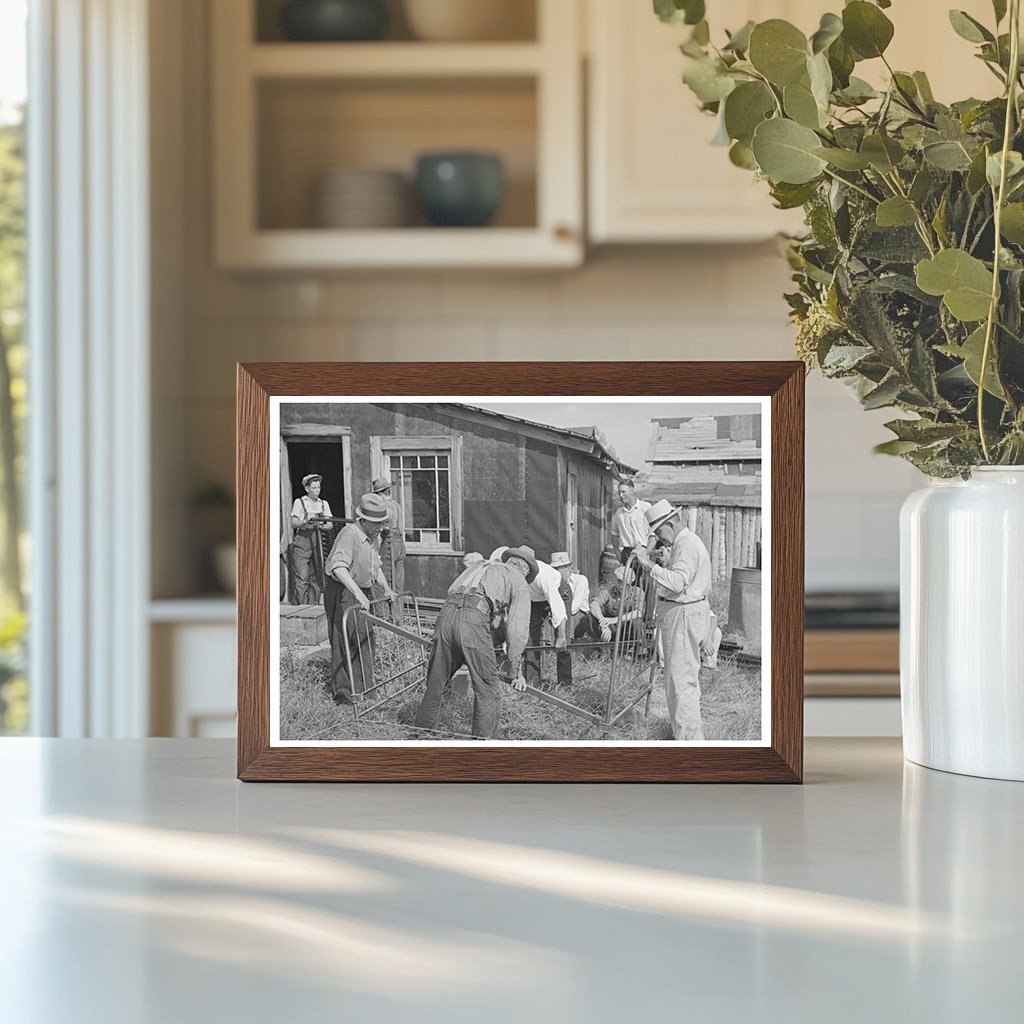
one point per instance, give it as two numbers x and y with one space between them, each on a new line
962 624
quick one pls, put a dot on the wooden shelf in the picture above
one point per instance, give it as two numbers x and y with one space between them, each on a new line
401 247
393 60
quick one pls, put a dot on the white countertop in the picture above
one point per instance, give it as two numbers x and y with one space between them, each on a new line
142 884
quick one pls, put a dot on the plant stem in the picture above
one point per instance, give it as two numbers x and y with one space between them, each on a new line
855 187
993 309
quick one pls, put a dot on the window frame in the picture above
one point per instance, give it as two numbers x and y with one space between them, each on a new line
381 450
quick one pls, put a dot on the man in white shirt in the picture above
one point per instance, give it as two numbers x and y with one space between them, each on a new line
575 593
684 615
630 529
546 602
309 515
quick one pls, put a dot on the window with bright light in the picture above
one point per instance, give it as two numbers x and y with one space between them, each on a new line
14 706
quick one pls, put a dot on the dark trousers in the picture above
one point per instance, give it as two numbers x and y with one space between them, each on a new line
540 612
462 636
305 568
355 638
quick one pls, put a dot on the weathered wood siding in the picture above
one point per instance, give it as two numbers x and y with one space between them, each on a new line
513 486
730 531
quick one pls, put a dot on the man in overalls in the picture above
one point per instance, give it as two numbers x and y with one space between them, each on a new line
309 515
485 596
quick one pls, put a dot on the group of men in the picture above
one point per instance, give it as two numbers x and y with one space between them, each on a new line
509 596
501 603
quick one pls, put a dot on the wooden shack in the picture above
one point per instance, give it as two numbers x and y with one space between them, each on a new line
467 479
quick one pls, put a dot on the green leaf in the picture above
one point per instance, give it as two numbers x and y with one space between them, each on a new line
841 60
1012 224
829 30
745 108
924 88
679 12
858 91
968 28
820 76
883 153
921 185
976 174
866 29
707 80
789 197
800 105
785 152
939 220
999 7
1014 169
701 33
896 212
923 431
971 352
742 155
963 281
885 394
739 41
946 156
778 50
844 159
895 447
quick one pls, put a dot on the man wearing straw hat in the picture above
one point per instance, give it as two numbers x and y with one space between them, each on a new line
353 567
392 539
684 615
487 595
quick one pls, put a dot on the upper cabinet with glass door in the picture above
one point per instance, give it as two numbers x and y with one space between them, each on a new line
447 135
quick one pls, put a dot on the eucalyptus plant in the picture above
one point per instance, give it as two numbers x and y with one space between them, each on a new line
910 278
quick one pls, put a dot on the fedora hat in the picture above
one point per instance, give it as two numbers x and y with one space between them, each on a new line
659 512
372 508
382 483
527 555
310 477
560 559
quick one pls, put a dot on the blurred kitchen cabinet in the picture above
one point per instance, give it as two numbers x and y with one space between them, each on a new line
653 175
287 113
192 651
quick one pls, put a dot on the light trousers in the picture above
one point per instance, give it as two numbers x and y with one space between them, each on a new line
683 627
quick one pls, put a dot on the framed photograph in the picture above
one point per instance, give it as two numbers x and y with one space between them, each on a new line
513 572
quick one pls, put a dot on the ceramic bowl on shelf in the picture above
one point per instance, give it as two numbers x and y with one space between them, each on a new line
332 21
460 189
361 198
469 20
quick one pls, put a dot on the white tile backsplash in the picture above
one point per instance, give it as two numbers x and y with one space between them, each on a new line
715 303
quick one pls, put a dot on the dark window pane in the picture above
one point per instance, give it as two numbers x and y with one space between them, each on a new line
424 499
444 513
427 461
445 536
396 462
442 461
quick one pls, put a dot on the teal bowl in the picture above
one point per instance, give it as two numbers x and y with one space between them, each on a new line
334 21
460 190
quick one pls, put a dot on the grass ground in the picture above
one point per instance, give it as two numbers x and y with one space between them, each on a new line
730 704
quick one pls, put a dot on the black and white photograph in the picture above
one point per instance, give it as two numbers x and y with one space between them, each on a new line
553 570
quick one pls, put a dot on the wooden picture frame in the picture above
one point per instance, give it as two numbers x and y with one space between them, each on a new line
779 759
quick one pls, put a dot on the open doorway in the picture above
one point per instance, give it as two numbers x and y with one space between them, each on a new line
326 458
